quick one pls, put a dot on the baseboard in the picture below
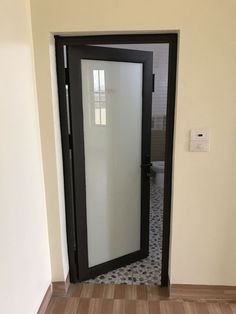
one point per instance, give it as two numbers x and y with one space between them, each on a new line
202 292
46 300
60 288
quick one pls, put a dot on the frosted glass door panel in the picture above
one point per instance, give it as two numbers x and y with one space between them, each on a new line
112 111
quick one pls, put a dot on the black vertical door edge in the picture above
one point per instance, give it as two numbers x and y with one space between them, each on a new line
171 91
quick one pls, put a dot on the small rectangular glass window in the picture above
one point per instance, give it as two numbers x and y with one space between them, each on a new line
99 97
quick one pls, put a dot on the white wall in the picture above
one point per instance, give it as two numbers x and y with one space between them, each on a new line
25 272
58 245
203 249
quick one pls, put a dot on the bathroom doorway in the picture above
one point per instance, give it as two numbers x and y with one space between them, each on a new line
139 251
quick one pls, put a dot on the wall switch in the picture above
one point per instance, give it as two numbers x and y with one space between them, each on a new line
199 140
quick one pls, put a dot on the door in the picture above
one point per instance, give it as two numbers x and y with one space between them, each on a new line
110 108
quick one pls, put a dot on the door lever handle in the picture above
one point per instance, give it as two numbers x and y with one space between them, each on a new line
146 165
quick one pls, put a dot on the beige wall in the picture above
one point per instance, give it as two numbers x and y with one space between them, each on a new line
203 249
25 272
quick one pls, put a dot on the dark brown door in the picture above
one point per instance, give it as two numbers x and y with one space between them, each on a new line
110 102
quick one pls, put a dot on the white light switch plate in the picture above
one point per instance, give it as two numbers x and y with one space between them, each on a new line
199 140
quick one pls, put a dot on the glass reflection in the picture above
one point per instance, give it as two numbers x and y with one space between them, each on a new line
99 97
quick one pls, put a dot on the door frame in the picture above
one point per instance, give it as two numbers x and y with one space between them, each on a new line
62 78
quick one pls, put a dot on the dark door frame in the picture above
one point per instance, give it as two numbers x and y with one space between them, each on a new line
62 76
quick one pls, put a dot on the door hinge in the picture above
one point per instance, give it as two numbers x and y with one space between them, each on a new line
153 83
67 76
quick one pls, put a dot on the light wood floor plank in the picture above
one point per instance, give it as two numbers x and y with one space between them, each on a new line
98 291
202 308
233 307
130 307
108 291
87 291
225 308
166 307
95 306
119 292
107 306
153 293
214 308
51 305
190 308
141 292
75 290
142 307
177 307
72 306
118 306
60 305
131 292
83 306
154 307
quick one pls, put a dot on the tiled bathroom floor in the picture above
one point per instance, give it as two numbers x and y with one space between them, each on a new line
148 270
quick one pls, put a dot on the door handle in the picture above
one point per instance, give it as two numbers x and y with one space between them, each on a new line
146 166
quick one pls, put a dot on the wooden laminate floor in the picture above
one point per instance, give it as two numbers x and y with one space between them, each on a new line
124 299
